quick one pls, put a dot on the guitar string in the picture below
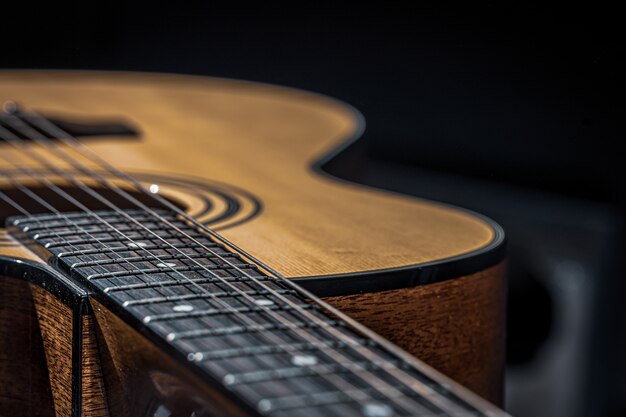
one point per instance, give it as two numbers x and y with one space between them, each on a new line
286 323
59 133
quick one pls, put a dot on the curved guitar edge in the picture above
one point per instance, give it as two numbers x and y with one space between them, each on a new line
466 264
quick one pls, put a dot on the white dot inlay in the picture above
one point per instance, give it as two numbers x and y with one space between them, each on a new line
264 406
377 410
183 308
304 360
165 264
195 357
154 188
136 245
263 302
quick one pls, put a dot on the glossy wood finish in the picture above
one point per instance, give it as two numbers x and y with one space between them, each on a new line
263 139
24 378
56 325
455 326
140 379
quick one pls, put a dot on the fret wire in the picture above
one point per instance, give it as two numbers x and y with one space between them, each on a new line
127 249
46 217
113 220
101 240
336 397
106 275
210 312
340 316
196 296
38 137
38 236
145 258
145 285
259 350
190 334
299 371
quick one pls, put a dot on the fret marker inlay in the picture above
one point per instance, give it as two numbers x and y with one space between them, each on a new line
136 245
377 410
183 308
304 360
166 264
263 302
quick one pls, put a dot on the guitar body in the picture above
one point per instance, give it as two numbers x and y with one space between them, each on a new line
246 160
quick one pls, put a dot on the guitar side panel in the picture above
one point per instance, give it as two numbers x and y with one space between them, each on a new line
24 377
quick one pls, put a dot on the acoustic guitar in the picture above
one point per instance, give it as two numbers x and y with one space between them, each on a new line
172 246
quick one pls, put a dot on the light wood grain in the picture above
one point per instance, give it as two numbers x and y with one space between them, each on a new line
262 139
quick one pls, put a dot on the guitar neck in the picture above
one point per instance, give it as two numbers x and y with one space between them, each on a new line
269 344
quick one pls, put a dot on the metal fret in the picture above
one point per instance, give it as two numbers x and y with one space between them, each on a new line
215 312
145 258
265 349
248 329
147 247
318 399
156 284
43 218
125 230
166 269
187 297
90 222
120 239
300 371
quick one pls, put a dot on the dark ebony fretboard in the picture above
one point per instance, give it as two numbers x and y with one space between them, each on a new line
228 318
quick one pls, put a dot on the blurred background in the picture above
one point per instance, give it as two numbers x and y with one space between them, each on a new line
514 111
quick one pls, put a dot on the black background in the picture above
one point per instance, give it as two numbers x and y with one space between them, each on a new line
463 104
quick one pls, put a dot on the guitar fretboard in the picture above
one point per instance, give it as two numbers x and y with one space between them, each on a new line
261 339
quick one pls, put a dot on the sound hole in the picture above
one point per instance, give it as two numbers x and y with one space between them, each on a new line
109 200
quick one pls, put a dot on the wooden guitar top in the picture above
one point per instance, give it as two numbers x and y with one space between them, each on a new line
263 141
